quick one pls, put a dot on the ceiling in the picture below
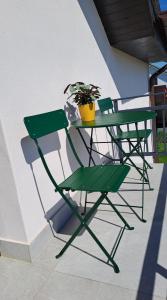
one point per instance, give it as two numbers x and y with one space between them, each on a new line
136 27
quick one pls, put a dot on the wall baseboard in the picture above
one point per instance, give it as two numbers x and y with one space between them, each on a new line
15 249
28 251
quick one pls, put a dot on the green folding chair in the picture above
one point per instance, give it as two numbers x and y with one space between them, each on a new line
136 136
103 179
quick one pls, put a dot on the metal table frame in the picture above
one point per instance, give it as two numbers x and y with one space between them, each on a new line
117 119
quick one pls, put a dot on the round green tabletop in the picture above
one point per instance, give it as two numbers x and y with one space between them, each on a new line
116 119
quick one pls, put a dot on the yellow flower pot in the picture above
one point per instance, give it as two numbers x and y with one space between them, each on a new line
87 112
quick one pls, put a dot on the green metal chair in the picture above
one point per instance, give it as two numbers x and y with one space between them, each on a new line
130 136
103 179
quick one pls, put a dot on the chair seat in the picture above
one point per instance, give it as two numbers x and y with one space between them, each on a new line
96 178
133 134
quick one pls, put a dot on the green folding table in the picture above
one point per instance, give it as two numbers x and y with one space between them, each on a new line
117 119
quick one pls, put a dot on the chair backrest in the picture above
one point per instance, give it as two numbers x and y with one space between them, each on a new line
105 104
43 124
46 123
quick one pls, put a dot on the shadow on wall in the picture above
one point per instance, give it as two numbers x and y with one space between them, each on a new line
72 115
71 112
121 67
80 149
60 213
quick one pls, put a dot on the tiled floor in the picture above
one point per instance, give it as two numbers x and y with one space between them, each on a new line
80 274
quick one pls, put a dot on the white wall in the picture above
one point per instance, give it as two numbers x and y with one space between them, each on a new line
9 207
45 45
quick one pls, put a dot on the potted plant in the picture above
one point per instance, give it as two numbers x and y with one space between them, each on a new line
84 96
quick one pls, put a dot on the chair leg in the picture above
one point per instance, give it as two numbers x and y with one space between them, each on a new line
117 242
70 241
85 204
83 224
82 220
131 207
139 153
127 156
143 182
145 164
118 213
110 259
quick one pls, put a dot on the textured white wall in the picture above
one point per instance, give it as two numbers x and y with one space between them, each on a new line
45 45
9 206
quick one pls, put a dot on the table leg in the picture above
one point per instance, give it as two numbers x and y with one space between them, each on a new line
87 148
91 144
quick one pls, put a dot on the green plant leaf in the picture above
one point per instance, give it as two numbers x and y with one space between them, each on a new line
66 88
83 93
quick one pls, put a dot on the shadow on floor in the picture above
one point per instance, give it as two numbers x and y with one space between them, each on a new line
75 224
150 265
